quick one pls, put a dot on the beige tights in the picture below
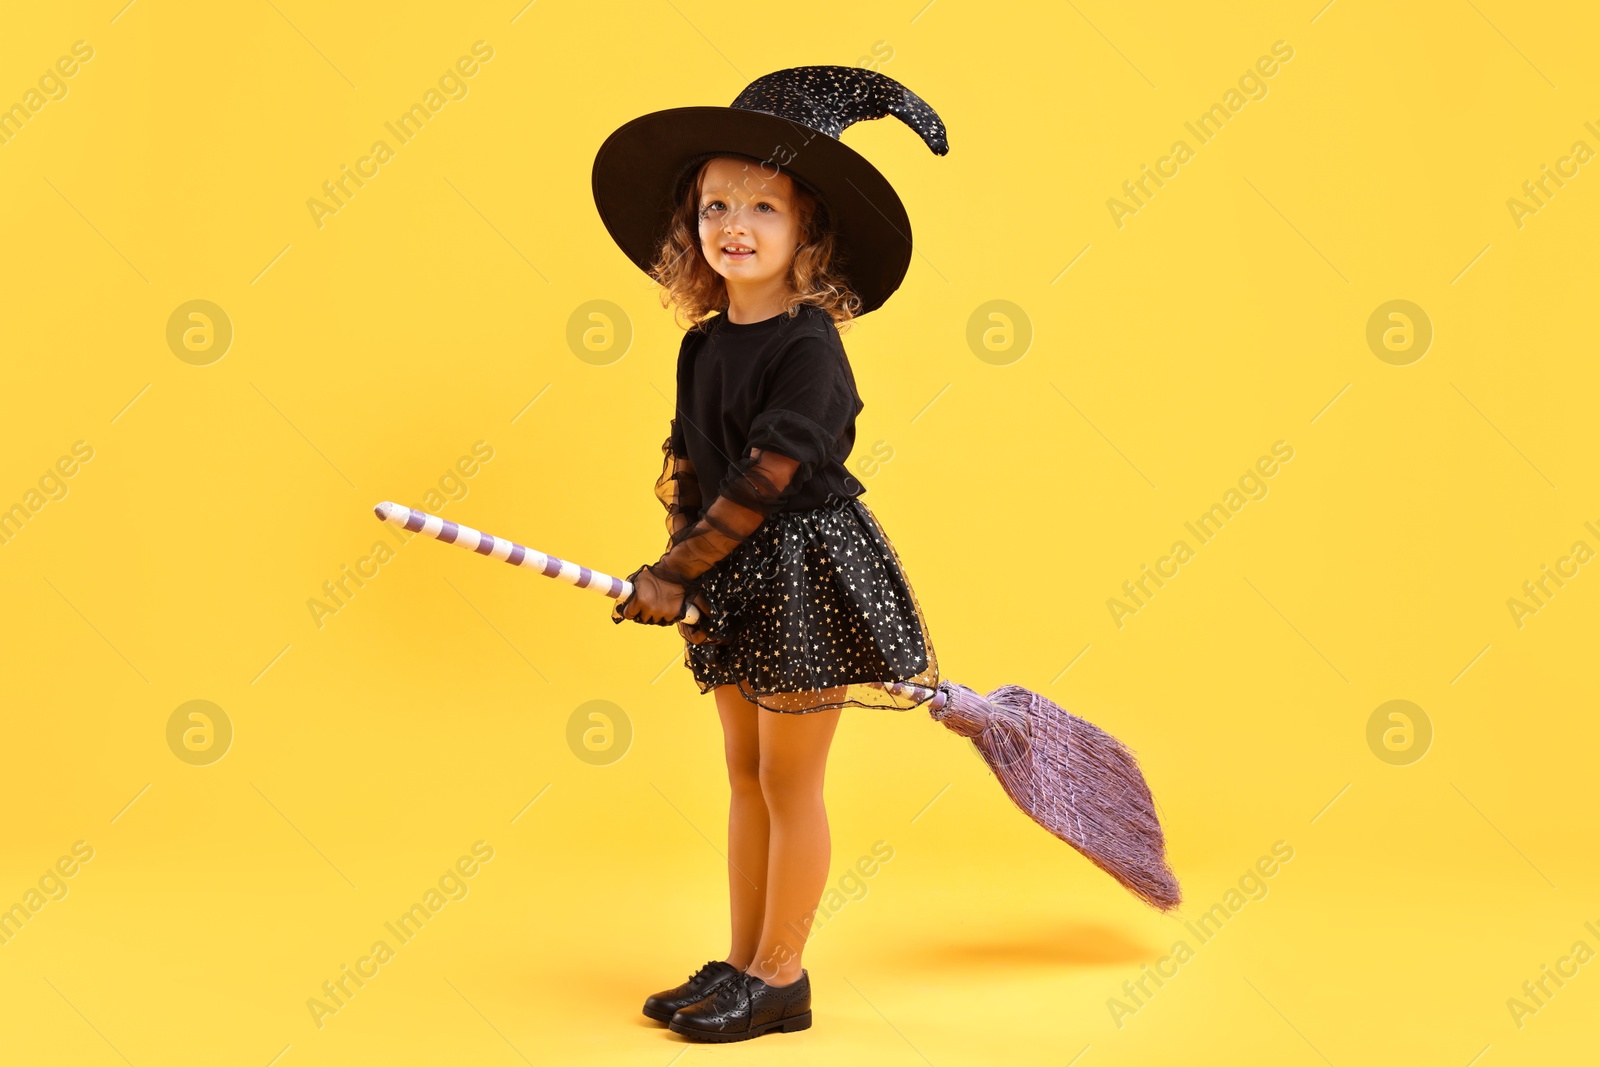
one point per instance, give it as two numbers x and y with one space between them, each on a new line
778 843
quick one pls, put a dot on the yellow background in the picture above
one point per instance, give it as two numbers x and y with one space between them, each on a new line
369 354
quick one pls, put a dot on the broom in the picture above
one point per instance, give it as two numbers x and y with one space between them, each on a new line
1066 774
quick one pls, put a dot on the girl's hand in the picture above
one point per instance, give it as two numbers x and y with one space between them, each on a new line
695 635
653 602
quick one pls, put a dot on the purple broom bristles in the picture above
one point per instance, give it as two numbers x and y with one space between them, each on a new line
1070 777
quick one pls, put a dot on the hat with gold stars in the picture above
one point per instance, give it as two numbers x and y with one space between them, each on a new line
789 120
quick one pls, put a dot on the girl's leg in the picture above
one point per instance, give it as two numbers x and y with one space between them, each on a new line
794 755
747 823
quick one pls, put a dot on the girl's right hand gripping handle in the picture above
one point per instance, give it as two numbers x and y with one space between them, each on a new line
486 544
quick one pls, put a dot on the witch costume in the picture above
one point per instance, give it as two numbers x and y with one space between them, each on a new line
799 594
808 607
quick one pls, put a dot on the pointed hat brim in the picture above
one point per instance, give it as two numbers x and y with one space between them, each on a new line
639 170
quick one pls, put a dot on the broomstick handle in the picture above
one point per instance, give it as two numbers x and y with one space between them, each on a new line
487 544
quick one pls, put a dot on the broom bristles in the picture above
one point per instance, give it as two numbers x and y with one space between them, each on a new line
1073 779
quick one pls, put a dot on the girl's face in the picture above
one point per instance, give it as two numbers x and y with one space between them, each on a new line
749 224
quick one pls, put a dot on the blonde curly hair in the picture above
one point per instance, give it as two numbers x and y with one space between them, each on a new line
694 290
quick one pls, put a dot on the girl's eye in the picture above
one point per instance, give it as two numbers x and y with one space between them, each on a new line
717 206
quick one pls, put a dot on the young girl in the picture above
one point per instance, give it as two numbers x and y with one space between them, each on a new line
804 607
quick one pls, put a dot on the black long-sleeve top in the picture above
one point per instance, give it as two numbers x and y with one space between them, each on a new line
780 384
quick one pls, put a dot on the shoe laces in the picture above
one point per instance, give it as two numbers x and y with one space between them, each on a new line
696 976
737 991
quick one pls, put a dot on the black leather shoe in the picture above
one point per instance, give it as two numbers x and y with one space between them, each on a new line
746 1007
701 984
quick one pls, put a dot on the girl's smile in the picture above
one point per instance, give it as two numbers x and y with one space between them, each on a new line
749 231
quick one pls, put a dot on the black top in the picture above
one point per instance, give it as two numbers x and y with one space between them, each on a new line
780 384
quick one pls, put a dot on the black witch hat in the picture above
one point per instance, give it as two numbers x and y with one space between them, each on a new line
790 120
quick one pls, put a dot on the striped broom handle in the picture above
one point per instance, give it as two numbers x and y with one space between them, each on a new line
487 544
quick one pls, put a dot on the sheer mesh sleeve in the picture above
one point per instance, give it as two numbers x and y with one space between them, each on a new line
678 488
753 489
810 400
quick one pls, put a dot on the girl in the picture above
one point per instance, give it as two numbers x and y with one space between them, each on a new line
804 607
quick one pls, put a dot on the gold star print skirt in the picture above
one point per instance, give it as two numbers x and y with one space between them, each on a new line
813 611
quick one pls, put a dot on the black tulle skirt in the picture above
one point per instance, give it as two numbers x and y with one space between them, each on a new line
813 611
